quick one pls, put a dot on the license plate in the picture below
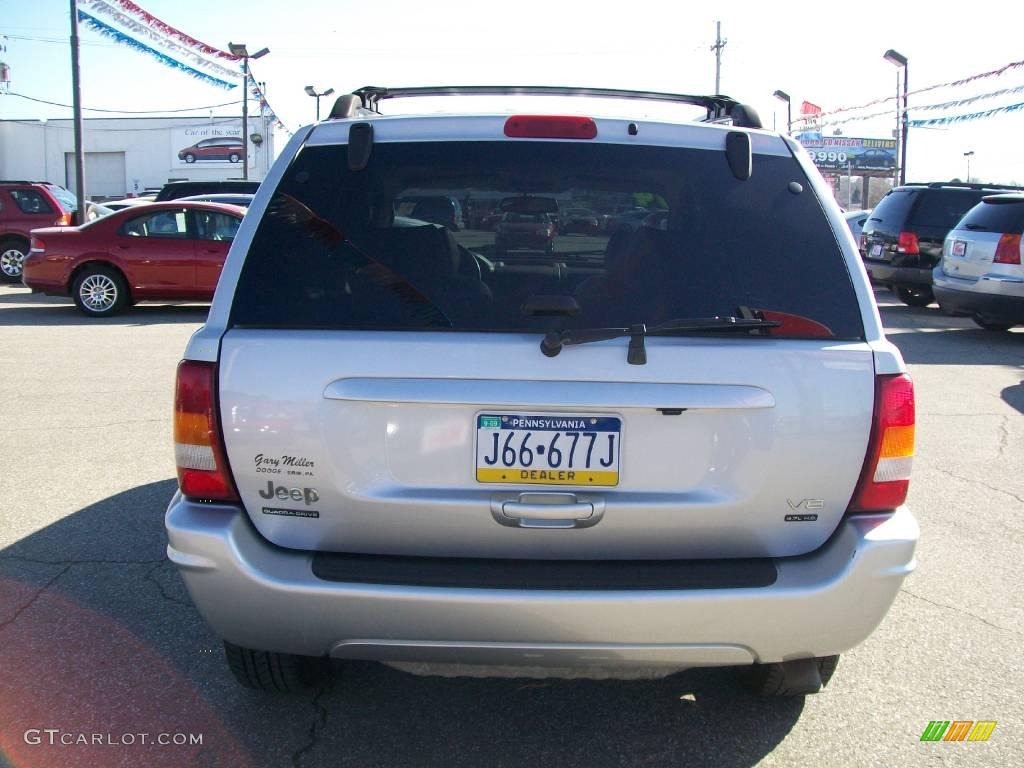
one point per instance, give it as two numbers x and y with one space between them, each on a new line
876 250
548 449
959 248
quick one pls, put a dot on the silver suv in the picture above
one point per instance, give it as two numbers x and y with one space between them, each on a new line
671 447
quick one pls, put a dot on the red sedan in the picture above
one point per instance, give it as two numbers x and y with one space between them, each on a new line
171 250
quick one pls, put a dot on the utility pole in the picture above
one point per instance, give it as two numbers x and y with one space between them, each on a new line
76 102
717 48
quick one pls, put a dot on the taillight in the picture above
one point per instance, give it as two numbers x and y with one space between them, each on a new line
550 127
886 474
198 451
63 221
907 243
1008 250
36 245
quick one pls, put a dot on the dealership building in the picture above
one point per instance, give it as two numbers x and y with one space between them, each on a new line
126 156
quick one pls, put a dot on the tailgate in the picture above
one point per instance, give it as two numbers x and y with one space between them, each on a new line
374 442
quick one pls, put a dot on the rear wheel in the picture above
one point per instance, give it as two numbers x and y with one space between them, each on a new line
13 251
915 297
189 157
792 678
100 291
275 672
991 326
234 157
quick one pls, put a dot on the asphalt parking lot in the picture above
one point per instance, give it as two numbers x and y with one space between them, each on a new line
98 636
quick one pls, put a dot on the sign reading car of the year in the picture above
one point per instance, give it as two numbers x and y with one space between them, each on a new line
548 449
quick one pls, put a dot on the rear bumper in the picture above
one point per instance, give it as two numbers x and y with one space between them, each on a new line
885 273
994 298
260 596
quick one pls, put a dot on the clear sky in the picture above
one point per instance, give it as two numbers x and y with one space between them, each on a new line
826 53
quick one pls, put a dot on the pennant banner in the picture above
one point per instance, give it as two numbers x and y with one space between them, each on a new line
152 21
121 37
930 107
950 119
140 30
261 99
954 84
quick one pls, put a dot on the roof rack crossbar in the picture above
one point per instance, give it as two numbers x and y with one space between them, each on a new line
717 107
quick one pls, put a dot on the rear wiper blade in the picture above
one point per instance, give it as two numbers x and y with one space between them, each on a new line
976 227
553 341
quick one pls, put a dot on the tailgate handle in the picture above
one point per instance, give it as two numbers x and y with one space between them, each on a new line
546 510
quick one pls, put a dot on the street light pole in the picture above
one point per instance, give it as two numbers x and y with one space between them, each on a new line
969 154
783 96
239 50
899 60
311 91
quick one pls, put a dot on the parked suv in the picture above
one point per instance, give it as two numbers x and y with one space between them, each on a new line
24 206
671 448
981 274
175 190
901 242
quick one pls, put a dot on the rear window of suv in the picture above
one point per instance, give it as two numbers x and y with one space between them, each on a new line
1000 216
944 208
331 253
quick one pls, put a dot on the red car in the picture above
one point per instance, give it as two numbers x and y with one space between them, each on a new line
219 149
25 205
159 251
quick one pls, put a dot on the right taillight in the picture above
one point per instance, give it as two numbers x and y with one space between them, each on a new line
198 451
885 477
1008 250
907 243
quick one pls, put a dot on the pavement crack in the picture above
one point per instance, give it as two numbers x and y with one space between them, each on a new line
1004 439
69 563
961 611
318 724
65 427
160 587
979 482
35 597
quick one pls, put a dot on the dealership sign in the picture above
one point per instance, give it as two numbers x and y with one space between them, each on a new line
846 153
204 146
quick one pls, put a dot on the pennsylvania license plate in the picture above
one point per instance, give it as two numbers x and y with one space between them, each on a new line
548 449
876 250
959 248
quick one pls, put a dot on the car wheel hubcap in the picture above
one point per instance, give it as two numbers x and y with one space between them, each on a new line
11 262
98 293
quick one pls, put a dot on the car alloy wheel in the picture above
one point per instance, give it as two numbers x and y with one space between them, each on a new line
190 158
12 262
234 157
98 293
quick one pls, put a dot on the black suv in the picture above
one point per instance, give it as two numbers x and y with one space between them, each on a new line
174 190
902 240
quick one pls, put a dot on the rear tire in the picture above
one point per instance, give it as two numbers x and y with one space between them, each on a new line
100 291
190 158
990 326
273 672
13 252
915 297
234 157
792 678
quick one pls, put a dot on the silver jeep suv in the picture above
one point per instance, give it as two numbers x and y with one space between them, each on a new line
664 447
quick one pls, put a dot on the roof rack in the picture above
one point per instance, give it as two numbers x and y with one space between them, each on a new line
966 185
717 107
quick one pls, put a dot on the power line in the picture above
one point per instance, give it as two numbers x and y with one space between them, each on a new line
126 111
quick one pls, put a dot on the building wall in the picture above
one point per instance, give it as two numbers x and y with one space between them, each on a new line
38 150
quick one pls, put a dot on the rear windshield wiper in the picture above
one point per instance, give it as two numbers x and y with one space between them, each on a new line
553 341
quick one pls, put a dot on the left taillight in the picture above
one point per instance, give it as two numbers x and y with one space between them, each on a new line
198 450
36 245
885 477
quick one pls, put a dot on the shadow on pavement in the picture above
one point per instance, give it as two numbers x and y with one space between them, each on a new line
1014 396
932 338
99 636
36 309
